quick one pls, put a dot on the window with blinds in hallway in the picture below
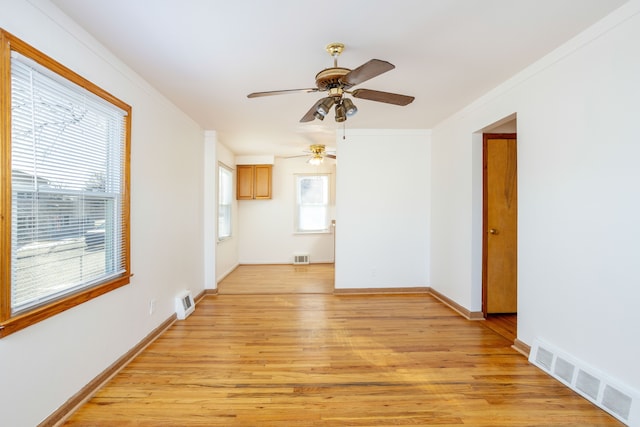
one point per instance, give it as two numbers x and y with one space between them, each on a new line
225 200
65 177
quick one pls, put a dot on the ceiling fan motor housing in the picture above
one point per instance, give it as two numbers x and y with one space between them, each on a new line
317 149
331 78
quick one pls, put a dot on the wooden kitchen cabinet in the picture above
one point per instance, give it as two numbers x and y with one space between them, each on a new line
253 182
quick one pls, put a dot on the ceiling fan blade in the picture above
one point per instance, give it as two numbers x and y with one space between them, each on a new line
281 92
310 116
367 71
376 95
331 156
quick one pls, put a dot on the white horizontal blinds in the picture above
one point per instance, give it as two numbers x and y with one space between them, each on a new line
67 186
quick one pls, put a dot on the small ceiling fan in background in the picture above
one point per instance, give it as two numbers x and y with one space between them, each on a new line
338 81
316 154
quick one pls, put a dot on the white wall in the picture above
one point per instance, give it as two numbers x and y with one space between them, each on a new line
227 250
266 227
382 209
45 364
579 197
402 219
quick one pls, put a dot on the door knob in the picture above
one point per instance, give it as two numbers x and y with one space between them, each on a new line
493 231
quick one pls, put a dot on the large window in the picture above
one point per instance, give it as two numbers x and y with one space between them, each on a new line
65 188
312 203
225 198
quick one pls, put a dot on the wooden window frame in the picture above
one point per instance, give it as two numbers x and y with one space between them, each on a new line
10 323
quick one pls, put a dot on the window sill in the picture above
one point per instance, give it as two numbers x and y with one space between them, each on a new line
304 233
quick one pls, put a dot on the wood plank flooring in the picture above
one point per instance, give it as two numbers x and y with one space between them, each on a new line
279 279
317 359
503 324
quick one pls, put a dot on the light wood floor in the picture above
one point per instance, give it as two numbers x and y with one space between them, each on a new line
303 358
503 324
279 279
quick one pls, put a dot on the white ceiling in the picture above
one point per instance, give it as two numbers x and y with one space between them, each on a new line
207 55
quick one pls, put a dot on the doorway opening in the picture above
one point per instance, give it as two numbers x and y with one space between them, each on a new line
499 225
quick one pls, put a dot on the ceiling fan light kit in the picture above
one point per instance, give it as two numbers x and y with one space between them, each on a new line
349 108
316 160
325 106
316 154
338 81
341 116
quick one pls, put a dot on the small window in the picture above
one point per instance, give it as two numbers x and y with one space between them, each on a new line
225 198
65 233
312 203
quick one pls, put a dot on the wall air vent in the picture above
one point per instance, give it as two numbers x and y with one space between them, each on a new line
300 259
564 370
588 384
544 358
184 305
605 392
616 401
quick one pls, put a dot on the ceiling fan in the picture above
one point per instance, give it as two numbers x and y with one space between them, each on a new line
338 81
316 153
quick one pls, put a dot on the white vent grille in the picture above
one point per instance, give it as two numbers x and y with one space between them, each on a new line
588 384
616 401
564 370
603 391
544 358
184 305
301 259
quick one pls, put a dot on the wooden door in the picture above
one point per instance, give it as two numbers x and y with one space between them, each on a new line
500 290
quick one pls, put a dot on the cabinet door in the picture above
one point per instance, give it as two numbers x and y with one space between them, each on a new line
245 180
262 186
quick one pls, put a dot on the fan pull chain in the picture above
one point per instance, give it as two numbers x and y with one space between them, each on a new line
344 131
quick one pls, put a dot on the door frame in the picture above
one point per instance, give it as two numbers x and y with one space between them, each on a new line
485 225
